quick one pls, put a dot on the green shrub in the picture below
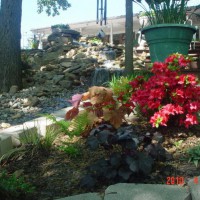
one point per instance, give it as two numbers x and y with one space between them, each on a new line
32 142
95 40
32 138
62 124
178 143
71 149
194 155
74 127
121 87
121 84
61 26
47 141
12 187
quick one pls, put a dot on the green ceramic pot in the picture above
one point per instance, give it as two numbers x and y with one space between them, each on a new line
165 39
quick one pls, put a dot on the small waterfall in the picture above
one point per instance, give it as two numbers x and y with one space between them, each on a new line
117 72
108 54
103 74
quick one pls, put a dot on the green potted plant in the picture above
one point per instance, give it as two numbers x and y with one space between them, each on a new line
143 18
169 31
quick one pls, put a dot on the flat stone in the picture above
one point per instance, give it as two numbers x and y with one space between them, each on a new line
57 78
65 84
194 187
39 123
13 132
17 116
72 68
86 196
33 101
146 191
66 64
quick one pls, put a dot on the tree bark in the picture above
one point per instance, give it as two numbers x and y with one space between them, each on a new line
129 38
10 35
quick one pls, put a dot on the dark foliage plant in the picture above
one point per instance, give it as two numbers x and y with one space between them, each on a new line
126 162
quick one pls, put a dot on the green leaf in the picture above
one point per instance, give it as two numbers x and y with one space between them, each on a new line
145 163
115 159
134 166
93 142
88 181
124 173
196 162
52 7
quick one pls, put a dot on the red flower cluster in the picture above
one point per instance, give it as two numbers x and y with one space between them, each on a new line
168 93
177 61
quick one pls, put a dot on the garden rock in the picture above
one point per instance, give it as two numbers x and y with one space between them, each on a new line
13 89
145 191
65 84
87 196
71 53
57 78
60 70
66 64
5 125
33 101
194 187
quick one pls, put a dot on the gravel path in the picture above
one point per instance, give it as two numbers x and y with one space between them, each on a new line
25 105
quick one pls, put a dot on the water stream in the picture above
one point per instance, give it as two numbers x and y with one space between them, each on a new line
103 74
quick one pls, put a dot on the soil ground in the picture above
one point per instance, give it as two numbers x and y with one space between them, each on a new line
56 174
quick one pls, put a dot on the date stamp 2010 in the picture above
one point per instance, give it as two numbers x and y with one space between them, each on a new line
173 180
179 180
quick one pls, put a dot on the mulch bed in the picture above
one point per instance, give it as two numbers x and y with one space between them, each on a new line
56 174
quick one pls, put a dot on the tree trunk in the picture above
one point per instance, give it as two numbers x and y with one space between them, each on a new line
10 34
129 38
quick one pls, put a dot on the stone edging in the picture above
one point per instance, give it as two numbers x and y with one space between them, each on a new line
9 137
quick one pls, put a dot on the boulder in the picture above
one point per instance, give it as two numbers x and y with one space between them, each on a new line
13 89
66 64
65 84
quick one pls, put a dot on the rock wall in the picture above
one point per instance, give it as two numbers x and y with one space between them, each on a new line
65 64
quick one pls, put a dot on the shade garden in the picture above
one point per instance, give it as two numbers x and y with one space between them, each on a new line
139 129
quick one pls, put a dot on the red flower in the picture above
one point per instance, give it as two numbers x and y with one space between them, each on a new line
182 61
190 120
159 67
167 93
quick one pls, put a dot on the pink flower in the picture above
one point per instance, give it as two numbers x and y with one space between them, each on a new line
158 119
179 109
190 120
171 59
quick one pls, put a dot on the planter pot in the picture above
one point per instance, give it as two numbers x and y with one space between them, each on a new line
165 39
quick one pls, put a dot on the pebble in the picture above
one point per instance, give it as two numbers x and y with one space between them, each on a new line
17 116
49 82
5 125
13 89
25 106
